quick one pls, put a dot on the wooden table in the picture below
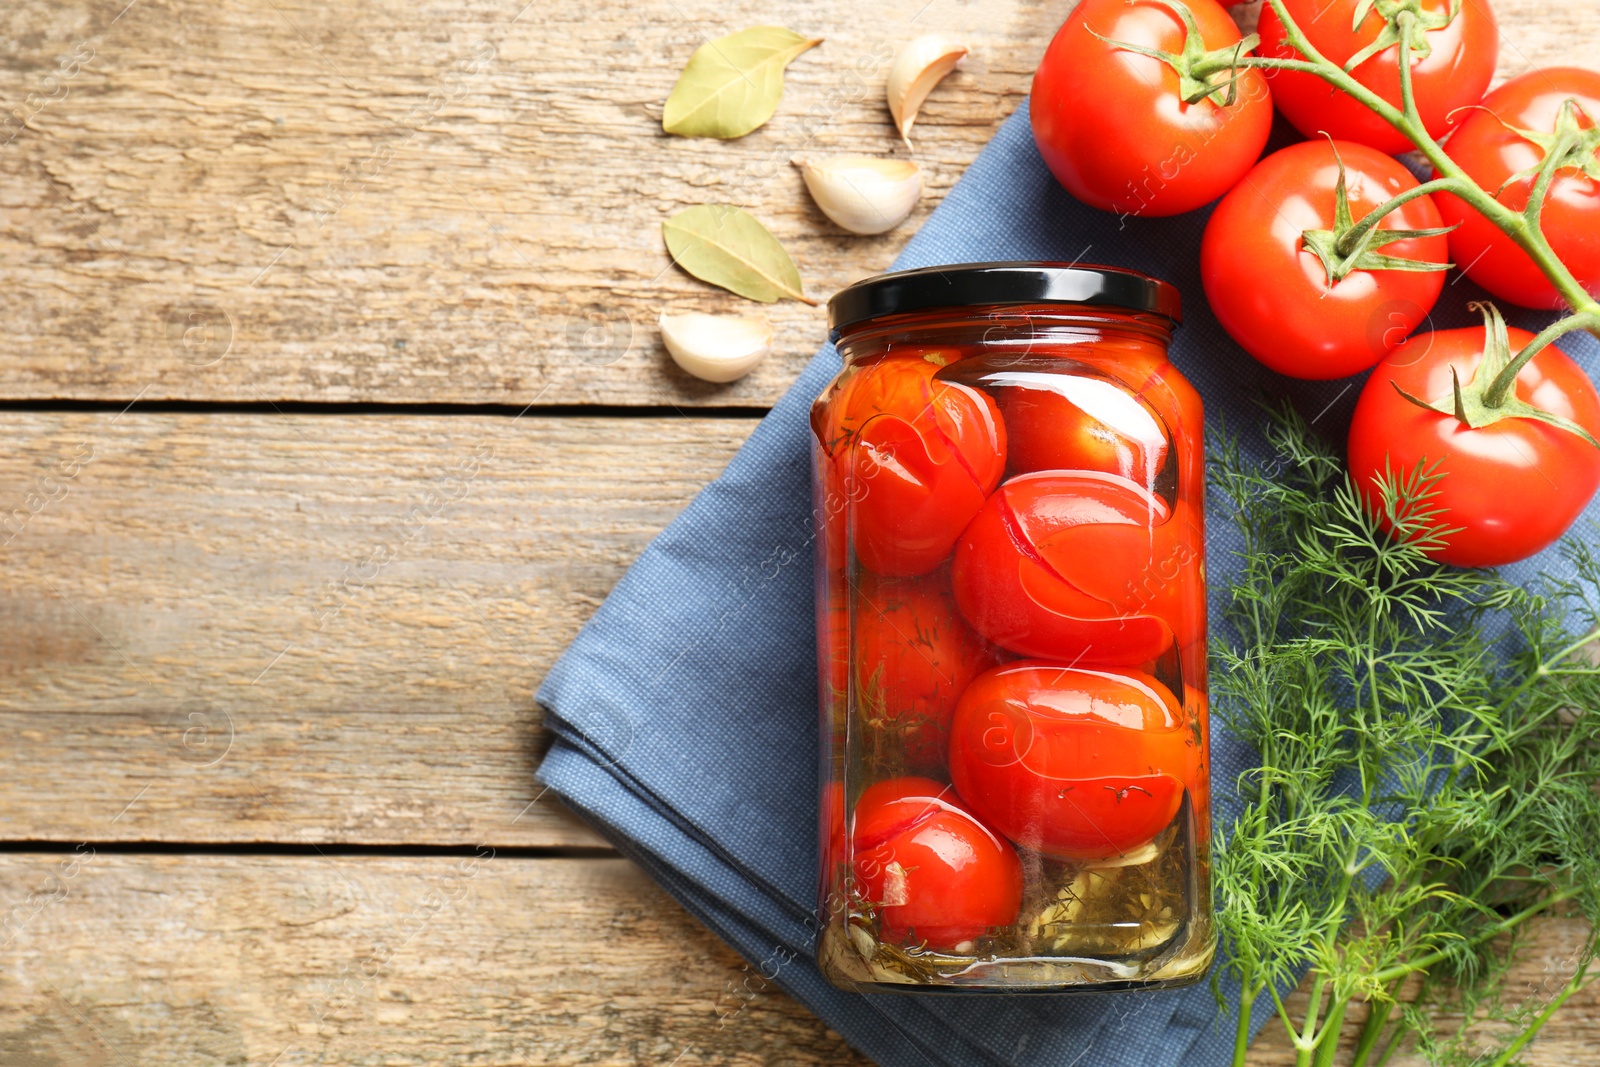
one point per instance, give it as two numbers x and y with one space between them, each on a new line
333 406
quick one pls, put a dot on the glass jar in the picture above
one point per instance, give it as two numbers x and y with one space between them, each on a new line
1011 636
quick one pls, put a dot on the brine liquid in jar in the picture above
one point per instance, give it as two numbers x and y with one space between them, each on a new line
1011 636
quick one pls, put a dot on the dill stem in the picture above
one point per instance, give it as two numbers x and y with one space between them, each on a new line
1547 665
1283 1012
1307 1040
1328 1043
1389 1050
1423 962
1241 1029
1304 1044
1577 982
1547 668
1378 1013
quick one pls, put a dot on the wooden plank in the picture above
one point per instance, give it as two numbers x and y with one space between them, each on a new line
308 628
382 201
199 960
392 202
180 960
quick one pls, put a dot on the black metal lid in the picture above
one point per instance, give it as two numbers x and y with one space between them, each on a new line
976 284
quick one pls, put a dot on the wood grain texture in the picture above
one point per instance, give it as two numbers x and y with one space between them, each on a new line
390 201
385 201
308 628
170 961
184 961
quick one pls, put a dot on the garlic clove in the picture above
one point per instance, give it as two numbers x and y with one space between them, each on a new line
920 65
1135 858
862 193
715 348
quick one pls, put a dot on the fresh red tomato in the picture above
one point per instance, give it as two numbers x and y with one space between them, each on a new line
1081 567
1492 154
932 872
1112 124
1278 298
1459 62
915 456
1062 421
1076 764
1512 487
913 656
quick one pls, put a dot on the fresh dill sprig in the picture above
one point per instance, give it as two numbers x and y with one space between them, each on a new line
1429 742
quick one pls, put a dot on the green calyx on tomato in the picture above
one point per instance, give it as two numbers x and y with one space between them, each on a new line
1352 246
1201 73
1490 396
1437 59
1571 145
1514 145
1141 150
1413 30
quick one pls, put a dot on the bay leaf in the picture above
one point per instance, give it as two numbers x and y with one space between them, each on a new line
720 244
732 84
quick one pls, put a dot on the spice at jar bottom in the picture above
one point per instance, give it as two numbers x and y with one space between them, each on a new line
1011 636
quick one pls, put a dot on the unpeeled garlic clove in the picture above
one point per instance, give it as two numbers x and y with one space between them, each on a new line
715 348
862 193
921 64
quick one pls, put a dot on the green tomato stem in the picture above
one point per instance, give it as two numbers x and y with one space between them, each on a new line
1371 219
1408 92
1534 212
1500 388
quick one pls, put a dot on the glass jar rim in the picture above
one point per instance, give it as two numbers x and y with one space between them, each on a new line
997 284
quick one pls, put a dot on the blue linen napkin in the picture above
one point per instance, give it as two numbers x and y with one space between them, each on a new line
685 711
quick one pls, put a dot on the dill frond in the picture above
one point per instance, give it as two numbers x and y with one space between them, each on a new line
1429 742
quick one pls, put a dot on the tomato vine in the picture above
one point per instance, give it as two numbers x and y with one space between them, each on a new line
1523 227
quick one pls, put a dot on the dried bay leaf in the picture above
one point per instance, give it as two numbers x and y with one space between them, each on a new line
720 244
732 84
